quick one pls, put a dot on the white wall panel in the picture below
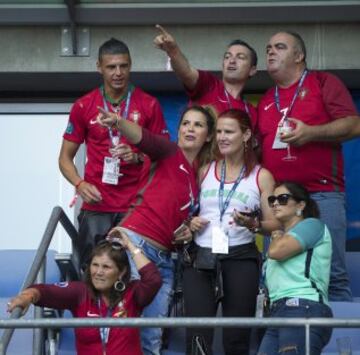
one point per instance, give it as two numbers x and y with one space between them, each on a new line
30 181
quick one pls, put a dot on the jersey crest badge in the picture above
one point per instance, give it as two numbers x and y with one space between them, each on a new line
302 93
69 128
62 284
135 116
121 313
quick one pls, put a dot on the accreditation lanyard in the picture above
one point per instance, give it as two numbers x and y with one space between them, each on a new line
231 106
104 332
193 205
224 205
115 139
296 94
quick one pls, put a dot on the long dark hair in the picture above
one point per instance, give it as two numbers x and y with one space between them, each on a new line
205 155
120 258
244 121
300 193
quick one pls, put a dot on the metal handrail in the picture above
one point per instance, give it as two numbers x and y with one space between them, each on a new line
186 322
57 215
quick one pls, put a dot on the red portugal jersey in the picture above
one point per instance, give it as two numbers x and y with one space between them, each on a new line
210 90
319 165
77 297
168 191
82 127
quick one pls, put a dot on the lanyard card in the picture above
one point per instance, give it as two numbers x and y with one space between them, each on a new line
111 170
220 241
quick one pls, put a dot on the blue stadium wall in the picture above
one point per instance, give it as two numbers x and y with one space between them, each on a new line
174 104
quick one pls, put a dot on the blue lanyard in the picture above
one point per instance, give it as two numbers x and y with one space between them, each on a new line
104 332
243 100
224 205
124 115
277 95
193 207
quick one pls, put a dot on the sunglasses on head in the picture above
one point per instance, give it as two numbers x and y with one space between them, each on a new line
282 199
114 241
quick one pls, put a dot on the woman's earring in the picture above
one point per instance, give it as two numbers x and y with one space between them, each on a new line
119 286
298 213
245 146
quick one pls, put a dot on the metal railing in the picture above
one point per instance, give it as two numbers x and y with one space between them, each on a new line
37 272
186 322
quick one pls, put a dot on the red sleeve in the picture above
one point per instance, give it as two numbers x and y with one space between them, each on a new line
76 127
206 82
336 97
156 123
149 284
65 295
156 146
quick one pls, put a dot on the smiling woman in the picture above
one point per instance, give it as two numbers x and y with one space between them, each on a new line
234 189
167 197
106 292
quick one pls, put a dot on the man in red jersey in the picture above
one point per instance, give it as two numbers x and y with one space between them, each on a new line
113 165
321 114
204 88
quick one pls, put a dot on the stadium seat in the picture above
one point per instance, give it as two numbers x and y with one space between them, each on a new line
344 310
352 259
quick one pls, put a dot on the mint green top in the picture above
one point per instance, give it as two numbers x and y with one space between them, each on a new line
288 278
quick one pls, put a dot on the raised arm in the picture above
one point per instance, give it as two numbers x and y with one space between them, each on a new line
150 281
154 145
130 130
187 74
140 260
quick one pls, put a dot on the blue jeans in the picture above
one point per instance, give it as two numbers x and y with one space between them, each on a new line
333 214
291 340
159 307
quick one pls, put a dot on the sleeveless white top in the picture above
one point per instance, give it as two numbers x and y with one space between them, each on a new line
246 198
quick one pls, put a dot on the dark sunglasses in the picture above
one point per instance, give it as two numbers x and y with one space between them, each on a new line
282 199
113 241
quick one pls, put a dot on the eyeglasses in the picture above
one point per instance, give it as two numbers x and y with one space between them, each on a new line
282 199
114 241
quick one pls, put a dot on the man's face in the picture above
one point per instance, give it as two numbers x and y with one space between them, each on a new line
115 69
237 65
282 54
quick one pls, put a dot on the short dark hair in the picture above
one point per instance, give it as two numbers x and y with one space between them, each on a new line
113 46
300 44
253 55
300 193
121 260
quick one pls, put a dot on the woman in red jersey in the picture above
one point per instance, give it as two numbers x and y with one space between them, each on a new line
106 292
167 196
